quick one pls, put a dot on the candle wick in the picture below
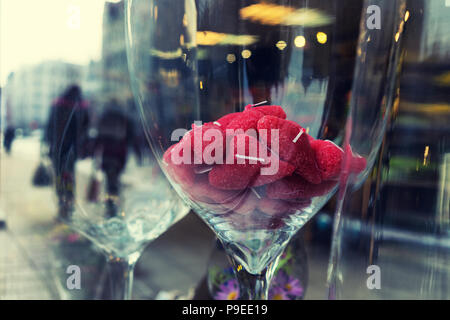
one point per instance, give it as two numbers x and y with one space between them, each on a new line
259 103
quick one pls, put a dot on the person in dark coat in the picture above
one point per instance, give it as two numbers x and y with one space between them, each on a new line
116 134
65 132
10 134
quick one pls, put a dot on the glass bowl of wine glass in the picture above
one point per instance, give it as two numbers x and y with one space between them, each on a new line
120 200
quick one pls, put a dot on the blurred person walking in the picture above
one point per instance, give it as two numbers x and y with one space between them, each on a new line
10 134
116 134
8 138
66 131
2 220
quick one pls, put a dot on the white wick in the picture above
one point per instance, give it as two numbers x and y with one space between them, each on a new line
298 136
203 170
259 103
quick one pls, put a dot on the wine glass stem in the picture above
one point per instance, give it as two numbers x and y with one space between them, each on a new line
254 286
121 275
333 279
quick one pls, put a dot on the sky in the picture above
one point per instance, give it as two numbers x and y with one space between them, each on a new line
32 31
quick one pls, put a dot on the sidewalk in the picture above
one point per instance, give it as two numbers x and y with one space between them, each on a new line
22 253
19 278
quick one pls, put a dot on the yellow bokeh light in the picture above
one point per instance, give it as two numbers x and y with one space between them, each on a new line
167 54
407 15
397 36
246 54
211 38
425 155
321 37
266 13
171 78
273 14
231 58
300 41
281 45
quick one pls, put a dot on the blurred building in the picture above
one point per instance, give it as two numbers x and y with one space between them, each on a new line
115 76
30 91
92 80
92 86
436 23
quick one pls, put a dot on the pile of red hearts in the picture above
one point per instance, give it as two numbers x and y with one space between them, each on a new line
307 167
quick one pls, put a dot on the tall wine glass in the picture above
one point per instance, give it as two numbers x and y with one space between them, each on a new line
394 225
263 86
102 194
369 108
62 79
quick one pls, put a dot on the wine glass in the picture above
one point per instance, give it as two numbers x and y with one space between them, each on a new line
75 73
264 88
394 226
103 197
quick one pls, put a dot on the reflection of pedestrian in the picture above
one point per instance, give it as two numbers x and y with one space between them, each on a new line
66 129
115 135
10 134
